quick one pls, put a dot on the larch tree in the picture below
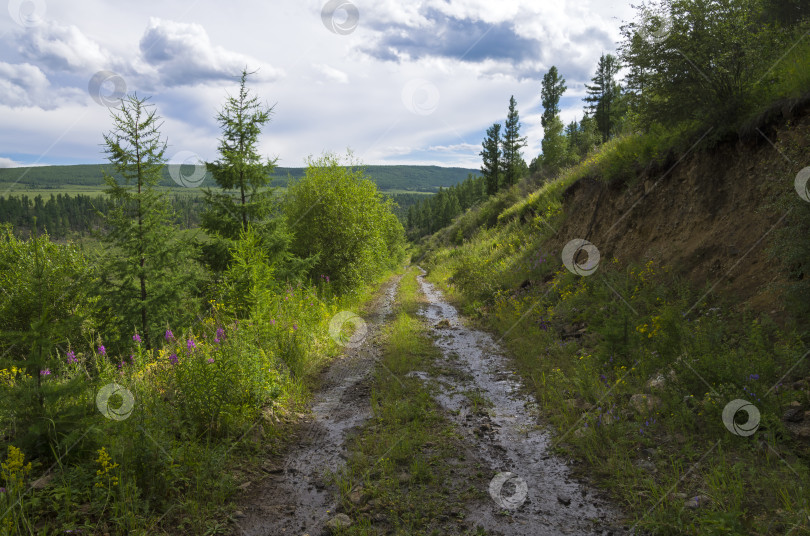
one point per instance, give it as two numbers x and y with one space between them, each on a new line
142 273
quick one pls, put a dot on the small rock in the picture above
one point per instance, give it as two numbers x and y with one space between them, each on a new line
646 465
42 482
696 502
356 496
644 404
679 496
239 514
244 486
657 382
443 324
793 415
339 521
563 499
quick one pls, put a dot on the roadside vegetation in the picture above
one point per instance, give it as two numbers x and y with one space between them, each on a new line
137 378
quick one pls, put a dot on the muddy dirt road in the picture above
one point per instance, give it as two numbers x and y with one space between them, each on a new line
503 430
531 492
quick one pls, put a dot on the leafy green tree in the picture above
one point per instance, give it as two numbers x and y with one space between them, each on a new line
491 155
240 171
604 95
146 273
698 62
339 216
513 164
554 144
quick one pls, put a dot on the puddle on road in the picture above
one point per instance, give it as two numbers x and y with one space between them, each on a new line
505 433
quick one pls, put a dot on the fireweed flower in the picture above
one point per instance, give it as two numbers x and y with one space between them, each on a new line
210 359
71 357
191 344
102 350
136 338
46 372
169 335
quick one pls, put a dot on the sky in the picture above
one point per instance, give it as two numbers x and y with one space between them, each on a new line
394 81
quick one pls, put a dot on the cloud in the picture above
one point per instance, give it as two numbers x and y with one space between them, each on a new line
23 85
60 47
332 74
8 163
183 55
448 36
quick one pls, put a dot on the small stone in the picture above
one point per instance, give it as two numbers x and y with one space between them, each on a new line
42 482
356 496
696 502
644 404
239 514
339 521
657 382
244 486
793 415
563 499
443 324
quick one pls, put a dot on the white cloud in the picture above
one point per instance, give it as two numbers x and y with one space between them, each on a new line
61 47
8 163
22 85
183 55
335 75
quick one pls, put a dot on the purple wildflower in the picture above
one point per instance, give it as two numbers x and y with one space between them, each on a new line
102 350
753 377
71 357
210 359
169 335
136 338
191 344
295 326
2 490
173 359
46 372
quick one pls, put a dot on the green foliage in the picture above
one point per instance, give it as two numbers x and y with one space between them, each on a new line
145 271
492 157
514 167
340 216
555 145
604 96
694 61
240 167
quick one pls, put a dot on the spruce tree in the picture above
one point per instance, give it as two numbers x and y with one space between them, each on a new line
240 171
513 164
491 154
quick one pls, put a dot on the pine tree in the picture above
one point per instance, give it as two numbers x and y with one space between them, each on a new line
142 276
513 163
554 142
491 154
604 94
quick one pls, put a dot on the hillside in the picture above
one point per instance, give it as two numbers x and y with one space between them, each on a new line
642 302
405 178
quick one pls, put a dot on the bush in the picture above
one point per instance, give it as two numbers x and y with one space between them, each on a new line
338 214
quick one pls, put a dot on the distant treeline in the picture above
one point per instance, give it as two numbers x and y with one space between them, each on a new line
62 214
413 178
432 213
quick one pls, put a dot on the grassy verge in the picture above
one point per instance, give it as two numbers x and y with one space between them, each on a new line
399 476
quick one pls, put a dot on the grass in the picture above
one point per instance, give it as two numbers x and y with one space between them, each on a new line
399 478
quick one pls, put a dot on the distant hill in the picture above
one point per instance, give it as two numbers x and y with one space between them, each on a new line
406 178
